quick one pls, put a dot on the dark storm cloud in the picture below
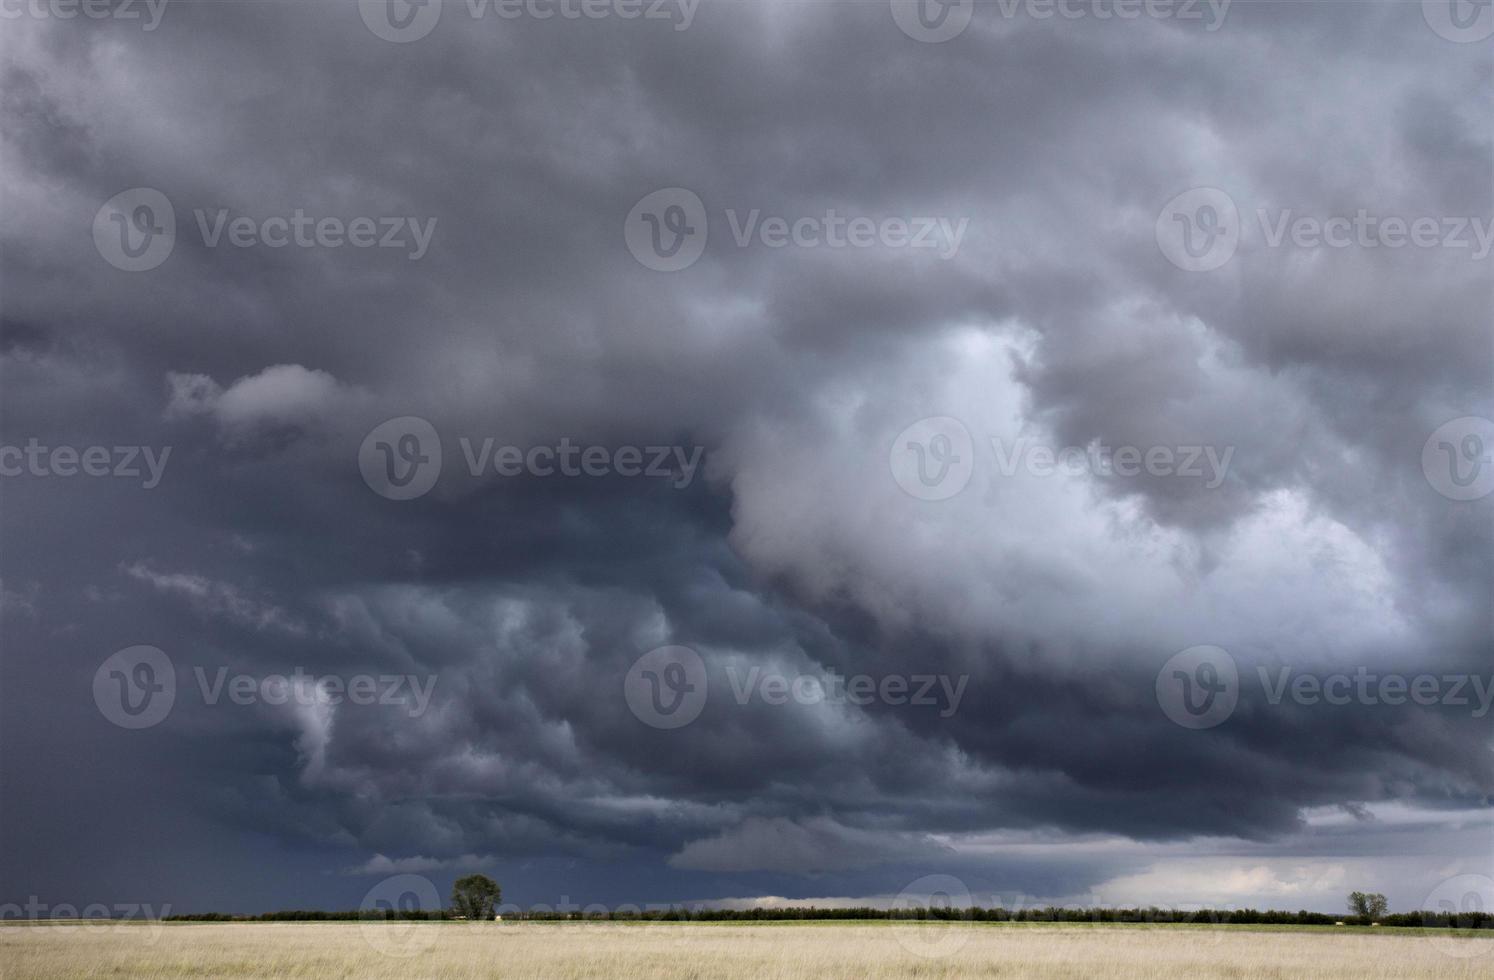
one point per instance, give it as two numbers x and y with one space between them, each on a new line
522 145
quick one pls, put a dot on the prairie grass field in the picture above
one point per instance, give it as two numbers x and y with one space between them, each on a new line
733 951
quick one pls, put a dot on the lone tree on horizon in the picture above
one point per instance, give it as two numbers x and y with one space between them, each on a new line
1370 906
474 896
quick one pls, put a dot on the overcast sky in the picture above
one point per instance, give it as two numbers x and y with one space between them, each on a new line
1047 449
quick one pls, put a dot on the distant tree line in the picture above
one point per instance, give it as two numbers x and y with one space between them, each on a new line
317 915
1465 920
1434 920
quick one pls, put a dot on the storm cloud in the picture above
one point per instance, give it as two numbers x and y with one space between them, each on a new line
438 223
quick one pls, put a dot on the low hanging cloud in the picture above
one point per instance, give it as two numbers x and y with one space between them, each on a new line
381 865
800 847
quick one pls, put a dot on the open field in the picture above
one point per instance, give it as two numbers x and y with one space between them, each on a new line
327 951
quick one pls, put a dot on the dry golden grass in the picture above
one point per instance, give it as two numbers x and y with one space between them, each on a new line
326 951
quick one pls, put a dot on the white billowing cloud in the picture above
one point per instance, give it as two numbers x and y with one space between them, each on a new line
1074 561
282 395
1228 883
313 713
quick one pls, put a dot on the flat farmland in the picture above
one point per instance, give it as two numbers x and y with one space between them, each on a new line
706 951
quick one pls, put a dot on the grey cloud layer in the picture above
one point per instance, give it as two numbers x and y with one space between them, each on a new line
527 319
